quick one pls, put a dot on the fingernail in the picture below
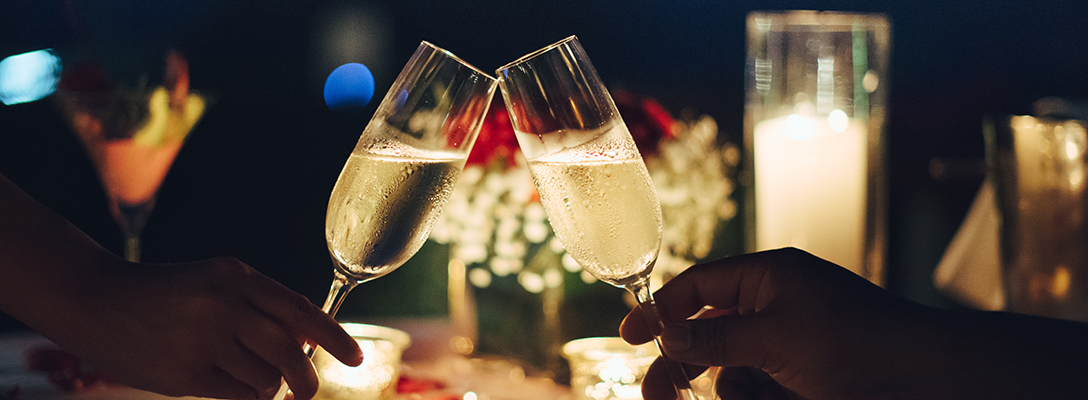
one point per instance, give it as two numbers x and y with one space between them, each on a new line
676 337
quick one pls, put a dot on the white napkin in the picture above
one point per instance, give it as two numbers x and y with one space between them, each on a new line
970 270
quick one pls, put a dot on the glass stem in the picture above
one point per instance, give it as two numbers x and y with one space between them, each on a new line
341 286
131 219
680 381
132 247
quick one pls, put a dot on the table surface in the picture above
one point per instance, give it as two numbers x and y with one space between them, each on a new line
34 385
457 375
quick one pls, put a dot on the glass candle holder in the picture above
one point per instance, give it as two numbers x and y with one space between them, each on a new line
376 378
607 367
816 89
1039 167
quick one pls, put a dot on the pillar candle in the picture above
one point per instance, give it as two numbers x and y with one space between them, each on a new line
810 178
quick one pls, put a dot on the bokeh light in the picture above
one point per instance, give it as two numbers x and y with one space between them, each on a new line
349 86
29 76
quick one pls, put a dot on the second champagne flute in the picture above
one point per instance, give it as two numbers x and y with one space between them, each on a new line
591 178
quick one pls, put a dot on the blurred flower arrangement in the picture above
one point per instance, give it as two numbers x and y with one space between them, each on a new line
496 228
494 217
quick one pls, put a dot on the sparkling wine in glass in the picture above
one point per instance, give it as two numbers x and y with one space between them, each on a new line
591 178
403 168
132 135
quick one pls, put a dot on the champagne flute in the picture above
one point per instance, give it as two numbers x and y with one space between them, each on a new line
403 168
591 178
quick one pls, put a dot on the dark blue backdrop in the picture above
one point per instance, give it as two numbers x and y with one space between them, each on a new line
254 179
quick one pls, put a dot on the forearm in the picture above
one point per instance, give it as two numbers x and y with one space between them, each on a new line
43 258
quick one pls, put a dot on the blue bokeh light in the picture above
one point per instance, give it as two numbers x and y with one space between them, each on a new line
29 76
349 86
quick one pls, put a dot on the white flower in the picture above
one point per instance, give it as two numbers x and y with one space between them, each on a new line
533 283
510 248
588 277
470 176
553 278
479 277
470 253
536 232
570 264
508 227
501 266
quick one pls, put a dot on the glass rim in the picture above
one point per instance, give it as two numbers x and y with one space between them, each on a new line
580 346
450 54
828 19
128 93
1047 119
527 57
377 332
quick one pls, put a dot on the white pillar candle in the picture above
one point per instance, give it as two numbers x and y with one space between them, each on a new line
810 180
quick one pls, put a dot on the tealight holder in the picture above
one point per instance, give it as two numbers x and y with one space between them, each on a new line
607 368
814 177
376 378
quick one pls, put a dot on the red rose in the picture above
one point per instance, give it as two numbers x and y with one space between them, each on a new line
64 370
496 140
648 122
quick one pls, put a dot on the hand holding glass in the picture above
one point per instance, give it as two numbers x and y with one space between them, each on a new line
591 178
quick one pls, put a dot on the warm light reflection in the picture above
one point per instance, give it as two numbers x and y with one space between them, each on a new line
800 128
1021 122
375 378
608 368
1071 150
1076 141
1076 178
838 121
825 84
29 76
1059 285
870 81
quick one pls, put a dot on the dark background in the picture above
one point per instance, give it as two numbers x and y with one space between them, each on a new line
253 180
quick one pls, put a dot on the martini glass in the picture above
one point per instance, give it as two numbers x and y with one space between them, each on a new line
403 169
132 136
592 181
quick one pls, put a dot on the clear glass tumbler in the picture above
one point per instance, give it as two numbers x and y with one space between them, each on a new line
1039 168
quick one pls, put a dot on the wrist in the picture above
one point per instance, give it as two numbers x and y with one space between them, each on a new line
925 358
50 274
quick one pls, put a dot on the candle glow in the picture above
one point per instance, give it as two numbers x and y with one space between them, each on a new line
810 186
375 378
608 368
